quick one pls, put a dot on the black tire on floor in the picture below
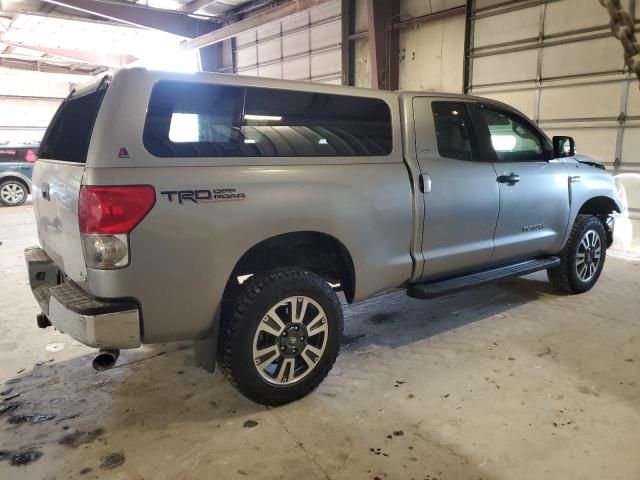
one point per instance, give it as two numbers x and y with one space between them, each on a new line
240 329
565 278
17 186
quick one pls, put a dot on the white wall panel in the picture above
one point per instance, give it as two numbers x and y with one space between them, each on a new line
507 67
582 101
523 100
516 25
432 56
633 101
575 15
631 148
305 46
583 57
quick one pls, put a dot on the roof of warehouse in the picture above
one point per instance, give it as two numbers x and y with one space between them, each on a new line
45 36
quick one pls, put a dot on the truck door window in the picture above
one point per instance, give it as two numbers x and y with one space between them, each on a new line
512 138
453 130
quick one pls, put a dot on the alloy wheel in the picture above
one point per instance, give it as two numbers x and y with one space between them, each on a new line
12 193
588 256
290 340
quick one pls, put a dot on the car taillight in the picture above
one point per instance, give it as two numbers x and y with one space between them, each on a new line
107 214
30 156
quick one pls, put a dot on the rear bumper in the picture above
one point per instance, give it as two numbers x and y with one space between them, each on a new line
92 321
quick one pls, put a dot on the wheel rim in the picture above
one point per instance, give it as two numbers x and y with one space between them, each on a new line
12 193
290 340
589 256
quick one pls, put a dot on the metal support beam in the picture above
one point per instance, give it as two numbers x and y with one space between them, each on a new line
393 47
348 48
141 16
108 60
377 33
194 5
290 8
383 44
38 67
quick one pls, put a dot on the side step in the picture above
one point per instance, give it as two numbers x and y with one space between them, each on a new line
456 284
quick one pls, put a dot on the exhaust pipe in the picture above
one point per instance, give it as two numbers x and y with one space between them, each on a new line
106 359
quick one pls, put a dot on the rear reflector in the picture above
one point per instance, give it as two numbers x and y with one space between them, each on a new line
114 210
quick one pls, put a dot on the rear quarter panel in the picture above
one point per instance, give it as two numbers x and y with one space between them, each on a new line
182 254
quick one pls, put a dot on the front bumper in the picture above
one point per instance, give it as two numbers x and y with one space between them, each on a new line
95 322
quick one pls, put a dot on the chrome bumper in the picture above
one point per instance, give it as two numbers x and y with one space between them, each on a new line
95 322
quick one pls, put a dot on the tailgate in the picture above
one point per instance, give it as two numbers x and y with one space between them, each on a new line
58 176
56 187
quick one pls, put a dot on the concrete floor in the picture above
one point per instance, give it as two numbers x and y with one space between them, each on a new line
504 382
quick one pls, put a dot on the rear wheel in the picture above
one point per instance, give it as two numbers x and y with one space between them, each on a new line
282 336
583 257
12 193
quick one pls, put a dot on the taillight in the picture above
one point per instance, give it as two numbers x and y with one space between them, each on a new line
106 216
30 156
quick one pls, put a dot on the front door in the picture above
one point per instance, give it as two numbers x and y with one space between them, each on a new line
534 188
460 191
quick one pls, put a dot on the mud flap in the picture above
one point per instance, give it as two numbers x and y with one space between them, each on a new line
206 349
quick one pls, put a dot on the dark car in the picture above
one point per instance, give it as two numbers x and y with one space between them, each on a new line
16 167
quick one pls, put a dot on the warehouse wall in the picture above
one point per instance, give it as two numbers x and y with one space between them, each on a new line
305 46
28 100
431 54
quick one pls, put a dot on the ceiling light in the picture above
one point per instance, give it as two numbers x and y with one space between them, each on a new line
274 118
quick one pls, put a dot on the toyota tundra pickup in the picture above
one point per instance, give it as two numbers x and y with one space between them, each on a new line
229 210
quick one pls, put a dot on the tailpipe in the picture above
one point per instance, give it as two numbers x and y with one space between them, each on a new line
106 359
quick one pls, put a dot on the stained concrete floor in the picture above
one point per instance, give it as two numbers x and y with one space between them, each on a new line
503 382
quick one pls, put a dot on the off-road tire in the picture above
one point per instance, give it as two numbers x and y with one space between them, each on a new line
564 278
253 300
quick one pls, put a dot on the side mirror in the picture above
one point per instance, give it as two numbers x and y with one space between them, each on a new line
563 147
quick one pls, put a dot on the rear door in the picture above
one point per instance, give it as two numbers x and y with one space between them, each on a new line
58 176
459 189
534 189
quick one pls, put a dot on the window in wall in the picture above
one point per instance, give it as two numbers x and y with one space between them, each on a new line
453 132
512 138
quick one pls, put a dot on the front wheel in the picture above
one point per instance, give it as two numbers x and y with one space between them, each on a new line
583 257
282 336
12 193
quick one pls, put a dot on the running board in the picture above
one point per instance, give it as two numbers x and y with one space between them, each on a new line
456 284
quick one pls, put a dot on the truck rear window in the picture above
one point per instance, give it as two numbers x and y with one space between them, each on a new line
203 120
69 132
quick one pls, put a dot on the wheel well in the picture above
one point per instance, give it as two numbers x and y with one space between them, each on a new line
317 252
16 179
599 206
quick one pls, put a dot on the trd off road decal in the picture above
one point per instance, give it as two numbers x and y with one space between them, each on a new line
204 195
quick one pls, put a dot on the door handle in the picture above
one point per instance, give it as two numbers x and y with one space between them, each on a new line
425 183
45 191
509 178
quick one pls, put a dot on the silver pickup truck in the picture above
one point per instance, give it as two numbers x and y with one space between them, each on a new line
230 210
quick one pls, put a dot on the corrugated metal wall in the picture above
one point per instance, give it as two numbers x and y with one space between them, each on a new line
558 62
305 46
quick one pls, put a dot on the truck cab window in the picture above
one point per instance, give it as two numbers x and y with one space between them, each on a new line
453 132
512 138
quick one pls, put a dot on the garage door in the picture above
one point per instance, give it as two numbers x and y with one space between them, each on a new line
305 46
558 62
